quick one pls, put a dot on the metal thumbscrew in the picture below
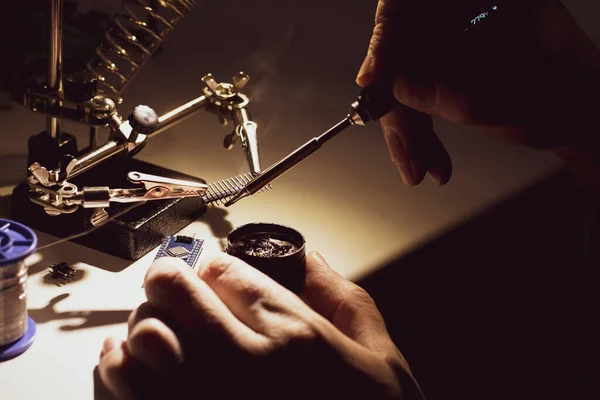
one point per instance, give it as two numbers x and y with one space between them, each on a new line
226 90
143 120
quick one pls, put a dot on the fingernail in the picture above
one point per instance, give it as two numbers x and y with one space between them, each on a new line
435 178
108 345
409 173
438 178
319 257
365 71
415 92
440 173
400 156
399 152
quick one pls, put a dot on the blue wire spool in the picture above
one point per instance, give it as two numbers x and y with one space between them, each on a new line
17 330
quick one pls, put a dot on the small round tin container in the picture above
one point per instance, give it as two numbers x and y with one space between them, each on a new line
17 330
276 250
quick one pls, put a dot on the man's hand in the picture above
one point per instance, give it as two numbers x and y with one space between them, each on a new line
232 332
534 81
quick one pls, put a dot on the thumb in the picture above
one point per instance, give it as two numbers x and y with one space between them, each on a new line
350 308
345 304
380 44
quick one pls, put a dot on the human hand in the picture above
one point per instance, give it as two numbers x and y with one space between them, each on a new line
233 332
533 83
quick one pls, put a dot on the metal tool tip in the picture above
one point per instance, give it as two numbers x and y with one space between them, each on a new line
237 197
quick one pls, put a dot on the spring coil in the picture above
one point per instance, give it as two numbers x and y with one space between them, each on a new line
132 39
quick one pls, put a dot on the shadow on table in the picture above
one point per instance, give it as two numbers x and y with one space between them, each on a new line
216 219
91 318
502 307
73 253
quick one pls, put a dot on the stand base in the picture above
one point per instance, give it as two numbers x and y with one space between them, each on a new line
129 236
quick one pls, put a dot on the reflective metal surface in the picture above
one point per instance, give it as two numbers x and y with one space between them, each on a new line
55 61
179 114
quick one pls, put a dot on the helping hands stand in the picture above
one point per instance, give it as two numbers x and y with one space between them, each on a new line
64 183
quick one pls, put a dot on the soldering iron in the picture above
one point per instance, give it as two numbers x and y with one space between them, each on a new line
377 99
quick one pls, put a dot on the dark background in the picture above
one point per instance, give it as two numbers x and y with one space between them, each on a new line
505 306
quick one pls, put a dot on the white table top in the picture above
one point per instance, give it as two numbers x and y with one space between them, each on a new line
347 199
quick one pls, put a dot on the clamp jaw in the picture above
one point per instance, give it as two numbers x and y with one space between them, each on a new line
52 190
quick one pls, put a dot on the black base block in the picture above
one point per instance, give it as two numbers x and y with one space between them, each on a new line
129 236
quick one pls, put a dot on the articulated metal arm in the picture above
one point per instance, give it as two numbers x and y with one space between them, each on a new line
222 99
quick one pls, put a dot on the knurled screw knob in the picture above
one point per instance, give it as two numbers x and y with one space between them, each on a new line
143 120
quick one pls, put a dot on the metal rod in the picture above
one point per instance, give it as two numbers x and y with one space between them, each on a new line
55 62
93 136
179 114
114 147
287 163
96 156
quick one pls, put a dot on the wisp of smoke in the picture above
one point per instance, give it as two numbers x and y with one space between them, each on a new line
264 61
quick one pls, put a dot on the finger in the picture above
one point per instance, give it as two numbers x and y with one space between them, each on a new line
401 128
152 338
124 377
253 297
346 305
430 151
144 311
109 344
415 148
174 289
153 343
402 30
367 72
383 39
350 308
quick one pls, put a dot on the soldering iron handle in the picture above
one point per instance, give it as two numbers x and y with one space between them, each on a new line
375 101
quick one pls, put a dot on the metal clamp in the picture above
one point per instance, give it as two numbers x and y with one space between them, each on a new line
227 102
157 188
66 198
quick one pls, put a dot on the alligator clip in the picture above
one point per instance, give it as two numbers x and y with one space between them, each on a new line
157 188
